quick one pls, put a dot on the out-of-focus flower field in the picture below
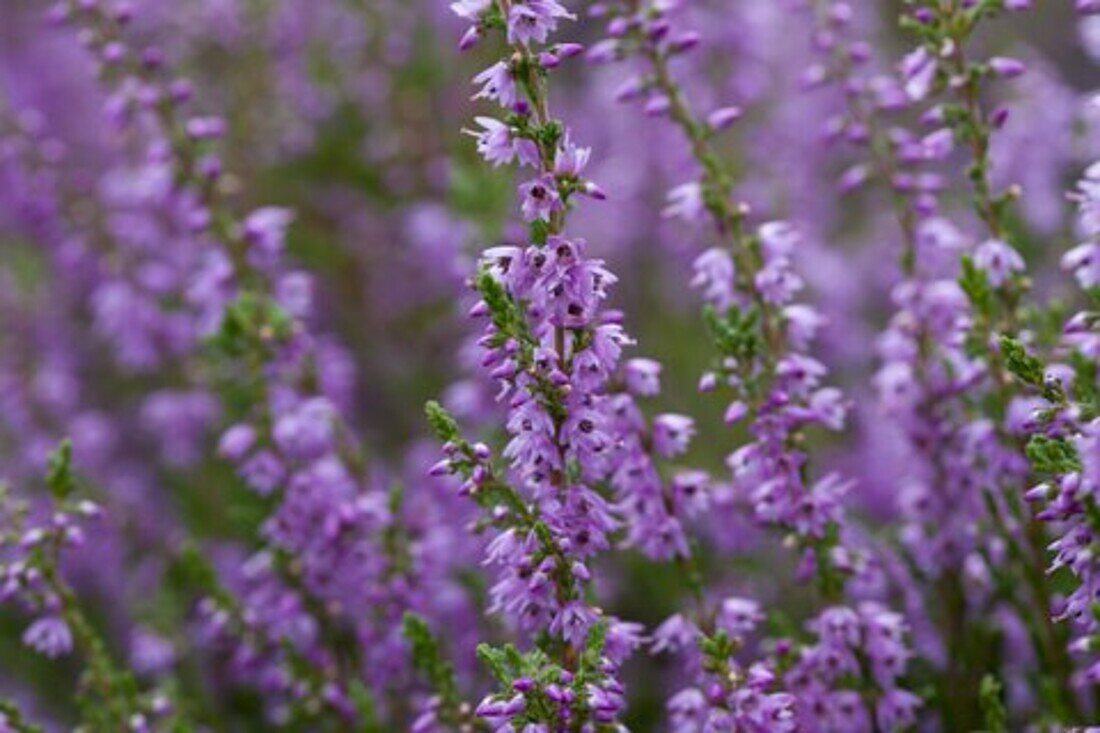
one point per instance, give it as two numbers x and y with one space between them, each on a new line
549 366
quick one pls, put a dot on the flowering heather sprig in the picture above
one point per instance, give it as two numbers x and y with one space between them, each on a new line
845 679
941 63
552 349
926 368
1062 451
894 156
31 550
930 323
1064 448
926 371
329 540
849 679
1083 261
762 335
74 262
12 719
654 511
273 647
994 281
725 693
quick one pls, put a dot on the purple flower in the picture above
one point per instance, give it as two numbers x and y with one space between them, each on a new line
724 117
306 431
1008 68
672 434
237 441
1084 262
265 229
584 433
571 160
714 276
495 142
573 622
643 377
470 10
540 198
49 636
779 239
897 710
998 261
534 20
263 472
685 202
739 616
918 71
497 84
777 283
687 709
674 634
839 626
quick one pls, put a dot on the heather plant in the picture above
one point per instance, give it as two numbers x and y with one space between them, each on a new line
548 366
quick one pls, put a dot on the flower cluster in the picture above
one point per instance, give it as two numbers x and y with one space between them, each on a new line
762 334
728 694
865 644
241 243
1064 444
552 348
31 548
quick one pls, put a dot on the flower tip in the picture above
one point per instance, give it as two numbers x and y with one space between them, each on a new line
594 191
469 38
722 118
1007 68
658 105
568 50
684 42
603 52
442 468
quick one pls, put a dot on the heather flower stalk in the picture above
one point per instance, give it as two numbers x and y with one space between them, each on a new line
276 548
994 283
892 160
329 541
1064 444
927 370
221 609
749 285
552 349
761 346
924 373
12 718
30 575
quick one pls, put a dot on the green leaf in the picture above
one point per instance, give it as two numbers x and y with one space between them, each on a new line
12 716
365 707
977 288
1027 368
497 662
1053 456
539 231
59 475
735 335
428 658
593 647
496 298
251 322
717 650
442 422
993 708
